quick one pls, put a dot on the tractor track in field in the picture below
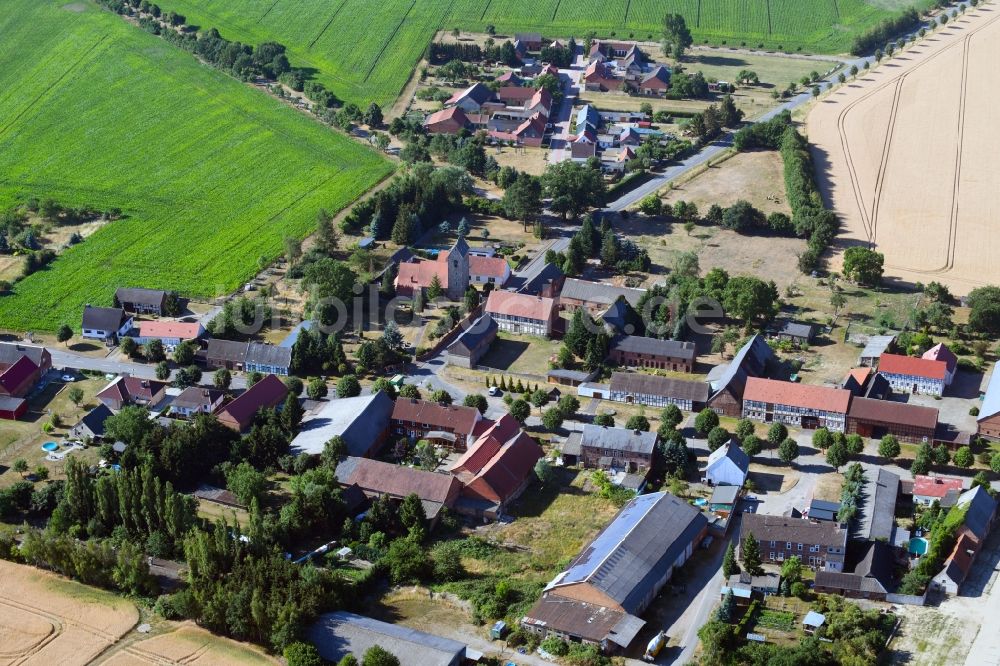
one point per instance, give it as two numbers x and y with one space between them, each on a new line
870 222
328 24
388 41
264 15
86 54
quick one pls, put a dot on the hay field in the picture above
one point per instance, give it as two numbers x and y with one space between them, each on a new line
907 156
46 619
188 644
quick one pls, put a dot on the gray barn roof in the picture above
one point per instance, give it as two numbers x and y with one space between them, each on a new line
139 295
668 387
991 400
980 512
261 354
94 420
341 633
636 550
637 344
601 294
750 361
11 352
619 439
731 451
876 345
482 329
532 280
103 319
878 514
358 420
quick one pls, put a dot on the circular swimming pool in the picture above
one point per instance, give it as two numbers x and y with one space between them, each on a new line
50 446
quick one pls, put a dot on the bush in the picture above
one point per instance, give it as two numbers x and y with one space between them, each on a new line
556 646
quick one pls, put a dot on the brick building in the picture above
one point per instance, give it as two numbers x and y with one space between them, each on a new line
639 352
800 405
819 544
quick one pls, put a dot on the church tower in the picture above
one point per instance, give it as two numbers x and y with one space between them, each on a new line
458 270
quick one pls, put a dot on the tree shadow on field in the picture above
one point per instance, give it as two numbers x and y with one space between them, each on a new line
721 61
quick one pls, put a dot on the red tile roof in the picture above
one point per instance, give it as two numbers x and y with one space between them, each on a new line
515 95
807 396
421 273
127 389
452 113
13 377
499 463
940 352
385 478
935 486
542 96
897 364
268 392
458 418
170 329
520 305
963 553
495 267
860 375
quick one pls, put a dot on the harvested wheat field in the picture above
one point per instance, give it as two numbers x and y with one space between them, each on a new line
46 619
907 156
188 644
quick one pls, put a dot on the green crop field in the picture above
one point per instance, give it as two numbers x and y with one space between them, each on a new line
365 51
210 173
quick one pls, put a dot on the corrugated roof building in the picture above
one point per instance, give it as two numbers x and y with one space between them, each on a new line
619 573
339 634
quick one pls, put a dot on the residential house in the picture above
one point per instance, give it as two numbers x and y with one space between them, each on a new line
877 418
942 489
268 359
515 95
488 270
239 414
796 332
728 381
728 465
21 368
529 132
496 469
451 120
611 49
874 348
339 634
473 343
472 99
141 301
639 352
908 374
598 599
595 296
988 421
362 422
587 118
12 408
599 77
435 490
821 545
92 424
617 448
452 425
800 405
654 83
170 333
126 390
980 514
510 78
746 587
643 389
196 400
522 313
107 324
616 161
871 577
581 151
451 268
940 352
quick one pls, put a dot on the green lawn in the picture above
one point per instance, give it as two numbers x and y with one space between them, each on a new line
365 52
210 173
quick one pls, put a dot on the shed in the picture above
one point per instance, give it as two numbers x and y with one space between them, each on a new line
813 621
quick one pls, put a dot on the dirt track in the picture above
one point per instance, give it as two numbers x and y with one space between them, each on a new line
907 155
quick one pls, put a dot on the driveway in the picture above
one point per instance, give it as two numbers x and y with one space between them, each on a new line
62 358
